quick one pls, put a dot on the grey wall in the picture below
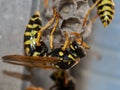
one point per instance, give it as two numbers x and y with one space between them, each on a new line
14 15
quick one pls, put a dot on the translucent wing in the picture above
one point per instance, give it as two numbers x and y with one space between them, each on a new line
30 61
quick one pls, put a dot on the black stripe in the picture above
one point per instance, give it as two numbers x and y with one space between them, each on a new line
106 21
102 17
37 21
34 16
101 13
35 29
101 6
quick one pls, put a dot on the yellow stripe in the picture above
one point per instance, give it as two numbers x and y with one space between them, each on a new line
71 46
33 26
70 56
36 54
32 41
27 50
103 2
105 8
32 33
33 19
105 15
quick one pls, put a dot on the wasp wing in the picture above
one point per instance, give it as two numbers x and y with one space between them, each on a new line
30 61
29 58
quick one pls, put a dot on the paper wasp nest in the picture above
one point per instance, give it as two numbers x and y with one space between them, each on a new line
72 13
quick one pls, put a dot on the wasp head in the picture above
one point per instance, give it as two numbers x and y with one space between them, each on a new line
79 48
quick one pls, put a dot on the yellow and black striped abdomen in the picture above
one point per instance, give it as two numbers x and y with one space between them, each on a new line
106 10
30 36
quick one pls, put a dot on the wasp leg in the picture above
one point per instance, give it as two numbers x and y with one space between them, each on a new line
53 30
65 45
39 34
88 12
17 75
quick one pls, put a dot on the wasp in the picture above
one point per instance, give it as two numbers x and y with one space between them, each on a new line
36 51
106 11
63 80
